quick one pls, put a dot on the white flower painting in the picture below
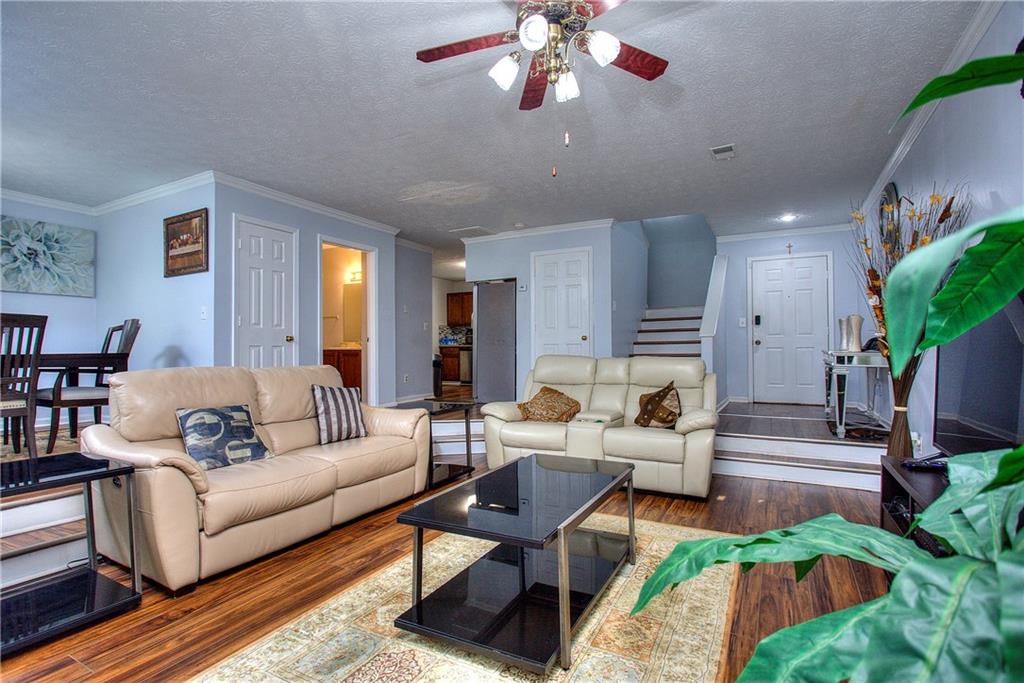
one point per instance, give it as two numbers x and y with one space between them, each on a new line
46 258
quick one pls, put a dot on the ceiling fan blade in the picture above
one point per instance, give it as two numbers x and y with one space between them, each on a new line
536 84
602 6
461 47
639 62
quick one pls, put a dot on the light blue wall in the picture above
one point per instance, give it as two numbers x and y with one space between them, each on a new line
310 226
131 283
413 310
975 138
72 320
733 371
681 256
511 258
629 284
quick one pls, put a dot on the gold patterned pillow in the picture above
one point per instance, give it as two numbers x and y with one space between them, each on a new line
549 405
659 408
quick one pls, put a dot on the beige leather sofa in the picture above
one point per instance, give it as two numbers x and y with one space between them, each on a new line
671 460
194 523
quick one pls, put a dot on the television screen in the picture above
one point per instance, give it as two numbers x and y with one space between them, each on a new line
979 404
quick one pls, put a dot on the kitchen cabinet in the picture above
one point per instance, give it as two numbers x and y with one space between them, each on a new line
460 309
449 364
349 363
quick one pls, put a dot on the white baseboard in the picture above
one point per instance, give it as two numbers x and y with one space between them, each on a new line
412 397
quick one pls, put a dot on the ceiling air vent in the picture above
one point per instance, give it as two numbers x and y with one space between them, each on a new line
723 152
471 231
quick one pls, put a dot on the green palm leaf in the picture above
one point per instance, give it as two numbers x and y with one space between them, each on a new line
825 649
988 275
1010 570
975 74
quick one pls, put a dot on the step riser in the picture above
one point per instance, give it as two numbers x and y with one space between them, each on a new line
47 513
803 475
666 348
648 335
456 427
674 312
809 449
668 324
459 447
42 562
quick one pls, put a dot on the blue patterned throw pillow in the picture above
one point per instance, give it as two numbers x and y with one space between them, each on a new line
218 437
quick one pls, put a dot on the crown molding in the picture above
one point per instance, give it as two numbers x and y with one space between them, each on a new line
165 190
285 198
562 227
413 245
965 46
782 233
46 202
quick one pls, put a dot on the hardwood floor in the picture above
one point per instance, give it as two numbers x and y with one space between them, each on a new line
175 638
791 421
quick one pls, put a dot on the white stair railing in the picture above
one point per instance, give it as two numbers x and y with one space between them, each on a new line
712 311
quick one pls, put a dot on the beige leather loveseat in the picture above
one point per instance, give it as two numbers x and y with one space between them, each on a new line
194 523
676 460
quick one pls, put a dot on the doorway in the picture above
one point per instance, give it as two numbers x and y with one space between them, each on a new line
561 309
344 308
495 341
789 300
265 297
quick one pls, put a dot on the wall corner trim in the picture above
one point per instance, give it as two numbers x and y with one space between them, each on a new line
743 237
968 42
46 202
562 227
413 245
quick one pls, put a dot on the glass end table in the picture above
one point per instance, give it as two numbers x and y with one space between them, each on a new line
440 473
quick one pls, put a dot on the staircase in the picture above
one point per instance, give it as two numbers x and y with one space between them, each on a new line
41 534
671 332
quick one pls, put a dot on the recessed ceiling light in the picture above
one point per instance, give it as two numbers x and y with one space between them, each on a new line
519 225
787 217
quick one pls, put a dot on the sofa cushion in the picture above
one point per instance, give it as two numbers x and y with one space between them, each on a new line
142 402
543 435
284 394
219 437
553 369
254 490
284 437
644 443
549 405
360 460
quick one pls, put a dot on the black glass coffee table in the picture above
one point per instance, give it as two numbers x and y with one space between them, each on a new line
520 602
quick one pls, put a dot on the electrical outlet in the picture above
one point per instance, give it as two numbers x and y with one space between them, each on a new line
202 312
743 322
426 327
405 379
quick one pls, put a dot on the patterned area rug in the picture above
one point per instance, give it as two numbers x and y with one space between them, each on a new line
65 444
678 637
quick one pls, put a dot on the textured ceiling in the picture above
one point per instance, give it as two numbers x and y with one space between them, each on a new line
326 101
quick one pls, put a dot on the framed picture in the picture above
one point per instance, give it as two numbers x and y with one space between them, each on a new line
187 243
46 258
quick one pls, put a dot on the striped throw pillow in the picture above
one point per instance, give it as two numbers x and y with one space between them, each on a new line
338 413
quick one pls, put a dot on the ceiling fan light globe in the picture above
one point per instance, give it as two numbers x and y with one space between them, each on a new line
567 88
533 32
603 47
505 71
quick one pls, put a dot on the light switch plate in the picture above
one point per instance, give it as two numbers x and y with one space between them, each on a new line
521 287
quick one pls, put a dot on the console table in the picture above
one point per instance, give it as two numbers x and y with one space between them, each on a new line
67 600
837 367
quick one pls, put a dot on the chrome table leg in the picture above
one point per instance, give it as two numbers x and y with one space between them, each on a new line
564 615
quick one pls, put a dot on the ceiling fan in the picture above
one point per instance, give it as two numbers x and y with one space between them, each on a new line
549 28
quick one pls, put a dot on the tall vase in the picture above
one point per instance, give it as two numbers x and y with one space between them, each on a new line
900 446
844 334
855 323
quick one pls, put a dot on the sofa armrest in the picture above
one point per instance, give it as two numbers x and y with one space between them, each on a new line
103 441
507 411
392 421
612 418
693 419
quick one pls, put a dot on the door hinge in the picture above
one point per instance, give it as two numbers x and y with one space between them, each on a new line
239 322
239 244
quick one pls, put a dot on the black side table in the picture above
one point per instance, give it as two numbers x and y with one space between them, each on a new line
67 600
442 473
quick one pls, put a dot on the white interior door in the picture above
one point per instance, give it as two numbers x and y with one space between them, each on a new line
264 296
561 308
790 327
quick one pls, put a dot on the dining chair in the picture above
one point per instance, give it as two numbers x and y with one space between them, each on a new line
21 340
67 394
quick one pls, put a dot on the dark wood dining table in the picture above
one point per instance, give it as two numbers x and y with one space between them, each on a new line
73 365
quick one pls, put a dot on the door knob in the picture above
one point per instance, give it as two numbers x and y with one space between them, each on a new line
757 342
584 337
289 338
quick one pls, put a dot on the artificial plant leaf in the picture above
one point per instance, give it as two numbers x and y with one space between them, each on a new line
978 73
802 568
826 535
1010 571
941 623
957 532
968 475
913 281
828 648
988 276
986 513
1011 469
1012 518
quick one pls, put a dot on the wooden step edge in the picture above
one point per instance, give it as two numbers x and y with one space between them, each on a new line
880 445
665 355
804 463
669 341
458 438
21 499
661 320
658 330
40 539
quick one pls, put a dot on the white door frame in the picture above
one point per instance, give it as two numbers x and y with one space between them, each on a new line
370 282
294 232
533 295
830 305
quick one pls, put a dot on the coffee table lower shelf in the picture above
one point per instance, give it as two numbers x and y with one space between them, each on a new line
505 605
